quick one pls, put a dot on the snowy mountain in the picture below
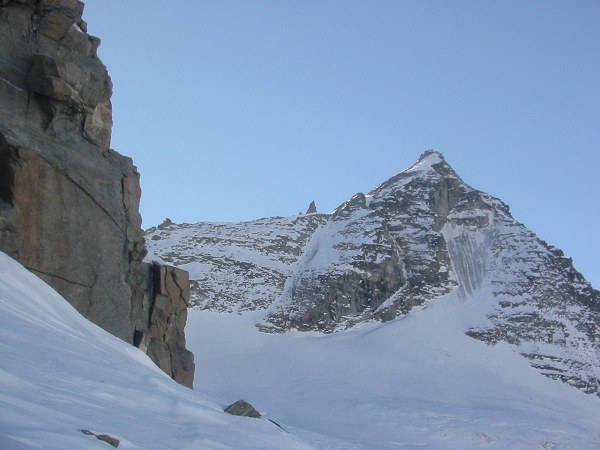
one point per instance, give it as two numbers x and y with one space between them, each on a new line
419 236
61 374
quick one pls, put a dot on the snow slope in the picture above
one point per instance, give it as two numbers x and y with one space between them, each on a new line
61 374
414 382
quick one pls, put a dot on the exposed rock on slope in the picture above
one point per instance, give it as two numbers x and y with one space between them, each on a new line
312 208
420 236
379 255
68 203
234 266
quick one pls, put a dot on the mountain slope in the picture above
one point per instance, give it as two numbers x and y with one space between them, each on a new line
61 374
416 382
234 266
422 234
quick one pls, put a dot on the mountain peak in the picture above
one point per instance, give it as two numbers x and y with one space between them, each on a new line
420 236
431 165
431 154
312 208
427 161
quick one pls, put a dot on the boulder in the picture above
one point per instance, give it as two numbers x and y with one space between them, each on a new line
104 438
243 408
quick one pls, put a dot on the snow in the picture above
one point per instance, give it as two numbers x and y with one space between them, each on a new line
426 162
415 382
469 252
479 248
61 374
412 382
233 261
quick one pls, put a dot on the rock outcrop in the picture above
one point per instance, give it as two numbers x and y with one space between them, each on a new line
103 437
69 205
244 409
312 208
164 339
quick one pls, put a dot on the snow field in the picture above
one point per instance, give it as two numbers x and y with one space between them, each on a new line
61 374
417 382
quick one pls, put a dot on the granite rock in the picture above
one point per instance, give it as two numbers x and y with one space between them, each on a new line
69 205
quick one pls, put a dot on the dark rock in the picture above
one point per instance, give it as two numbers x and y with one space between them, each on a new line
103 437
232 285
243 408
312 208
69 205
108 439
277 425
168 315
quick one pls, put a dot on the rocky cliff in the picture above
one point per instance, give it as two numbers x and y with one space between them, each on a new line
422 236
69 205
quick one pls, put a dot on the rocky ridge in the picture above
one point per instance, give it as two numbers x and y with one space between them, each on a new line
234 267
420 237
69 205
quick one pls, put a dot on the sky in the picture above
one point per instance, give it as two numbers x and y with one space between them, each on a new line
235 110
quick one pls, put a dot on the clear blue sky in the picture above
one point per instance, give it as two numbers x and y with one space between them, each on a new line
234 110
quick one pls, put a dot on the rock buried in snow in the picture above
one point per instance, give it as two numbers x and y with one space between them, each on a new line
242 408
108 439
103 437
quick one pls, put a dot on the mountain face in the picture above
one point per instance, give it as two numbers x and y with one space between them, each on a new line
69 205
420 237
234 267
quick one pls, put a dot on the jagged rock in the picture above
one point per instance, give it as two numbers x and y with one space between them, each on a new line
69 205
312 208
378 256
168 316
109 440
243 408
103 437
244 265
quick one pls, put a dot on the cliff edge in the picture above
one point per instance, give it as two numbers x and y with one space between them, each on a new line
69 205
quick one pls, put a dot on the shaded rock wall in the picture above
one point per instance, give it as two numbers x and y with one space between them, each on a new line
69 205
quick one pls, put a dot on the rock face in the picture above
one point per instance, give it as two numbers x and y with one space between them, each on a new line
234 267
164 339
243 408
312 208
103 437
69 205
422 236
378 256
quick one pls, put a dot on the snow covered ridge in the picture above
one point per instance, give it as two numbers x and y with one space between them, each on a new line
61 374
420 235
